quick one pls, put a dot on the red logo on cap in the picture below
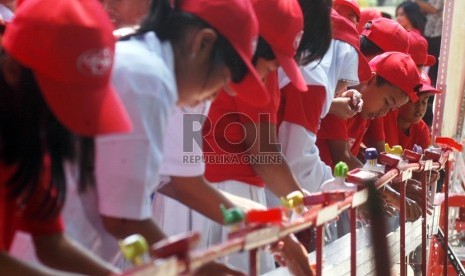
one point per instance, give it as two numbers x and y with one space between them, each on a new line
95 62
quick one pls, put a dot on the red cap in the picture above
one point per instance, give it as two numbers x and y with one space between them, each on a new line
236 21
352 4
425 80
345 31
400 70
387 34
366 15
70 50
281 25
418 49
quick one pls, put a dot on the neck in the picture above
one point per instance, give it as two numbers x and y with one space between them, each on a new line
403 125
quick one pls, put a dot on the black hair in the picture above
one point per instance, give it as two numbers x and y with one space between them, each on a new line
317 30
368 48
171 24
414 15
380 81
386 15
263 51
28 133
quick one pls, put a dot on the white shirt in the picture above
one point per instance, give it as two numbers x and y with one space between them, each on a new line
183 142
128 165
297 142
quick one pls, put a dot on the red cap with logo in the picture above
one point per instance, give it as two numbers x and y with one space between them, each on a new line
236 21
418 49
345 31
400 70
281 25
352 4
387 34
69 48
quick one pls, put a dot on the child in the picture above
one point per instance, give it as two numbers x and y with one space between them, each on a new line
55 97
245 133
303 111
395 80
379 36
348 9
418 50
184 180
405 126
183 53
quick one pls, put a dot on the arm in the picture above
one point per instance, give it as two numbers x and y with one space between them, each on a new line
59 252
120 228
340 151
193 192
12 266
277 175
426 7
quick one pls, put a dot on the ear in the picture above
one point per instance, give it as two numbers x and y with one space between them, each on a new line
372 79
12 71
203 42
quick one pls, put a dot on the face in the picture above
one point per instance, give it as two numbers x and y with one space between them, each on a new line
265 67
126 12
198 77
414 112
347 13
403 20
380 99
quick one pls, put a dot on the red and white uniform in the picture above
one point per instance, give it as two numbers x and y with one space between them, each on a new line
226 159
302 112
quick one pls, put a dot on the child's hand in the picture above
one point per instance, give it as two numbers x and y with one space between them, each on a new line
290 252
347 105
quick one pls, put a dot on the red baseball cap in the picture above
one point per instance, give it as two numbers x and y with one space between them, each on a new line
426 81
418 49
400 70
345 31
366 15
236 21
70 50
281 25
352 4
387 34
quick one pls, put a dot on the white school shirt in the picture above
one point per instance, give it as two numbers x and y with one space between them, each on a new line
183 158
183 152
127 165
5 13
298 143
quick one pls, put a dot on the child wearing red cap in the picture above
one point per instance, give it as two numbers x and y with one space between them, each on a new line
183 53
418 50
55 97
405 126
348 9
302 112
379 36
238 133
395 80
